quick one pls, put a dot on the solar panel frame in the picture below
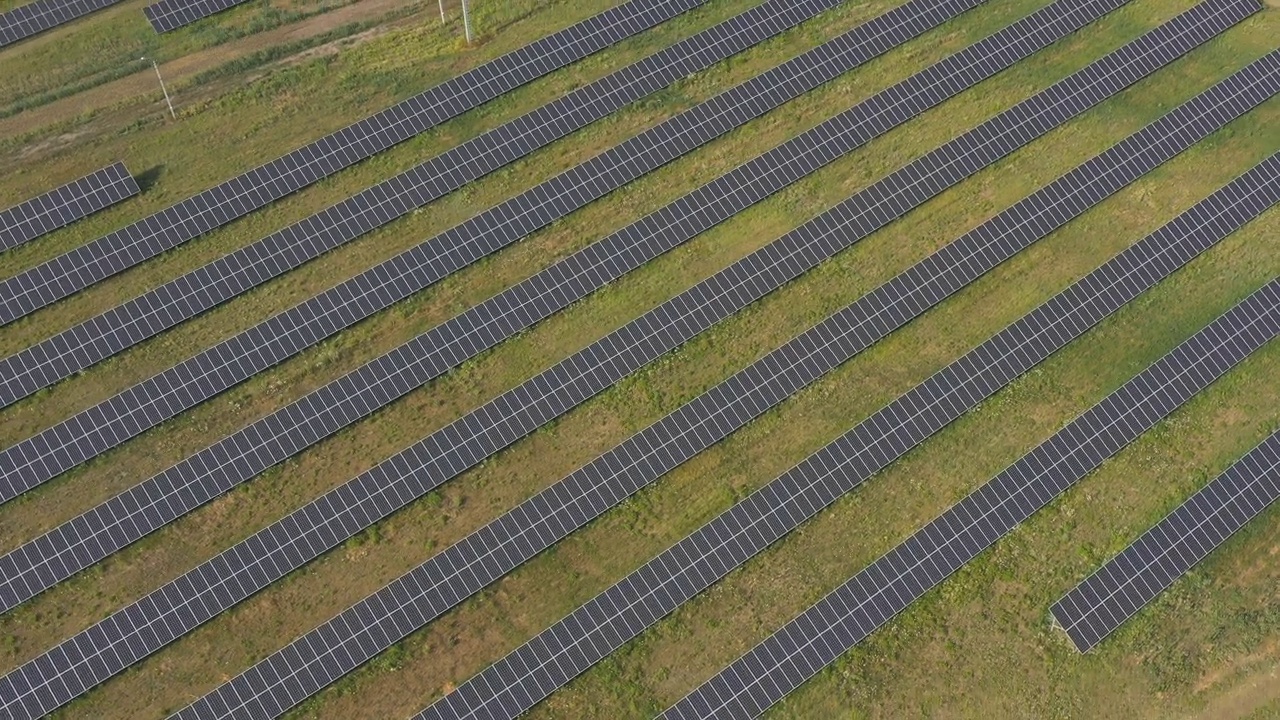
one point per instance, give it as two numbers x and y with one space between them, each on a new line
1099 605
870 598
75 270
34 18
720 295
236 273
418 597
168 15
64 205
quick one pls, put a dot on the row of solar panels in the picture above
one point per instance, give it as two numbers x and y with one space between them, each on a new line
62 206
1075 99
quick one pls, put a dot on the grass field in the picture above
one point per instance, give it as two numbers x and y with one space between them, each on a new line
978 646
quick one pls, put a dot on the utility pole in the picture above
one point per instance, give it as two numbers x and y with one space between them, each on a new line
466 21
442 20
167 101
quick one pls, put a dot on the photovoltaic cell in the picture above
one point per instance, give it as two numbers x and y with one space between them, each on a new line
1102 603
239 272
26 20
555 656
843 618
165 614
169 15
63 206
418 597
75 270
272 439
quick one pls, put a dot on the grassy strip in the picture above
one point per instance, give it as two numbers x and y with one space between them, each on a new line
279 52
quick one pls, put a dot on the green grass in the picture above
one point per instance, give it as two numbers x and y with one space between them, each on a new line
980 645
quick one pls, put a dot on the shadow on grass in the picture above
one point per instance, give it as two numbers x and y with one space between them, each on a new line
148 178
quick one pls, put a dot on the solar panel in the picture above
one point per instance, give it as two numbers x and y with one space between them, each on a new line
26 20
851 612
555 656
75 270
44 561
236 573
1119 589
57 208
169 15
418 597
239 272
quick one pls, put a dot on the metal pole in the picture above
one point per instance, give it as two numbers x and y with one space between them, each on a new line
466 21
442 20
167 101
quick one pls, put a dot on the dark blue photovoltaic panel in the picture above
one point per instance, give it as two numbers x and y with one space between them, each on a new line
418 597
26 20
73 271
888 586
239 272
1120 588
65 205
200 594
169 15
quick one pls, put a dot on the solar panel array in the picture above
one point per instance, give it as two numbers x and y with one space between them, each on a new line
1098 606
75 270
26 20
57 208
600 626
169 15
44 561
157 619
869 599
99 428
418 597
236 273
270 440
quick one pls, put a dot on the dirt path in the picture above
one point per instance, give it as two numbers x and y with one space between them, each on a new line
143 83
